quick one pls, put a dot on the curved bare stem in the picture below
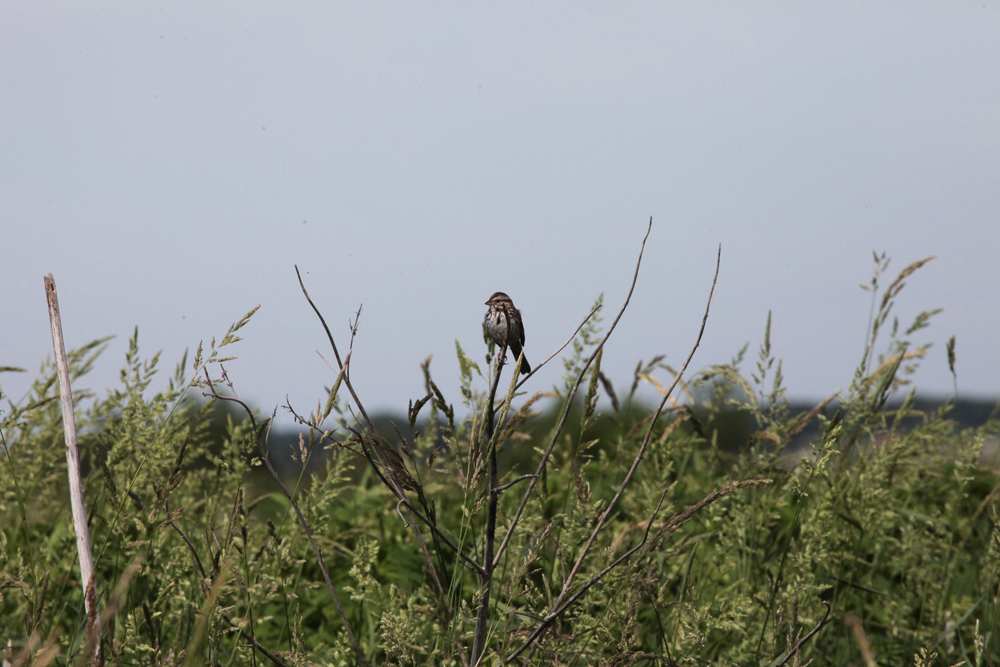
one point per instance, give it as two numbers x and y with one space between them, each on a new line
569 404
561 347
642 449
553 615
396 472
672 524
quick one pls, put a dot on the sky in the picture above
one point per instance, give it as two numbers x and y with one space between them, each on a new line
172 163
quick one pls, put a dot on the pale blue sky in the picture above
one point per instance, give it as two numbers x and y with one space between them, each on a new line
170 163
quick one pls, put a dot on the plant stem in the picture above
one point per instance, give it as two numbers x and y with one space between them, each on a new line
73 465
486 578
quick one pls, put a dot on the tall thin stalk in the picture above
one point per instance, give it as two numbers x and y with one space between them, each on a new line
77 503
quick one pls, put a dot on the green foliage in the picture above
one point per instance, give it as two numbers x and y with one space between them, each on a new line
199 555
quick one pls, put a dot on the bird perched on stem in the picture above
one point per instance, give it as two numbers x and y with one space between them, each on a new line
503 323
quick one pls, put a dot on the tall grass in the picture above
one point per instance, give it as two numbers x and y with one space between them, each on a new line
874 543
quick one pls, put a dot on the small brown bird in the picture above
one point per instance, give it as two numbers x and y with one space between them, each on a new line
503 322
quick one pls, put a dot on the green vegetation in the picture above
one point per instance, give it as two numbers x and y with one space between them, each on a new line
875 542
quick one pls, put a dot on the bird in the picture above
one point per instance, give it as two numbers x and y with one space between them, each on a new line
503 323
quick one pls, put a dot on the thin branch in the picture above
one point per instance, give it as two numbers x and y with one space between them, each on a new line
219 397
645 443
469 562
506 486
569 404
395 487
340 364
553 615
376 467
599 526
194 552
433 571
561 347
672 524
320 316
809 416
675 522
383 449
354 327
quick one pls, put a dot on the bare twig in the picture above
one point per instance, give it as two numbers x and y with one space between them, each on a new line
340 365
376 467
553 615
395 486
809 416
675 522
513 482
79 507
642 449
672 524
469 562
561 347
320 316
414 512
194 552
599 526
396 472
566 409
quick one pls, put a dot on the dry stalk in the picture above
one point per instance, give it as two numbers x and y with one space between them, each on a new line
561 603
79 508
565 413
